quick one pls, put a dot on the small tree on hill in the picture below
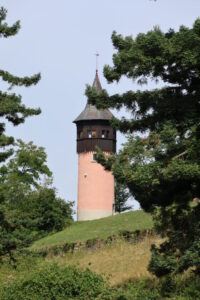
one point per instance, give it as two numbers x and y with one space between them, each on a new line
31 205
121 197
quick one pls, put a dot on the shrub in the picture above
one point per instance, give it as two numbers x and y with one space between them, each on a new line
55 283
37 214
188 288
138 290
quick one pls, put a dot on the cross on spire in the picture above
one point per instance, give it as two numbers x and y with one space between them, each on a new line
97 60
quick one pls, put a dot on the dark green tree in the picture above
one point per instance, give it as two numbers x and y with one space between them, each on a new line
14 111
121 197
31 206
160 164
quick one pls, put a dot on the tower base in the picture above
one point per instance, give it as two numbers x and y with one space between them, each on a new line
86 215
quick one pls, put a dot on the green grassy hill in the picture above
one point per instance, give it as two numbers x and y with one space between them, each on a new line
120 260
102 228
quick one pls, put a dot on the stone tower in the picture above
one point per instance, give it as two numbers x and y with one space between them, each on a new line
95 185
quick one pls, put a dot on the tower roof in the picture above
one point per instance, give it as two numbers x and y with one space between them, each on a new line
91 112
96 83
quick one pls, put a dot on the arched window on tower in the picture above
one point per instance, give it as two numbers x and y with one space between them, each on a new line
105 134
92 134
89 134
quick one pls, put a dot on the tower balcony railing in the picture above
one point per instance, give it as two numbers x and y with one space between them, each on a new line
90 144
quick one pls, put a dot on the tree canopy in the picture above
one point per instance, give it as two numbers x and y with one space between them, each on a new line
14 111
29 206
11 107
160 163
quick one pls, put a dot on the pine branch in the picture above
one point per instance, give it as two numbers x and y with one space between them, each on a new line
5 155
6 140
12 109
5 30
149 108
19 81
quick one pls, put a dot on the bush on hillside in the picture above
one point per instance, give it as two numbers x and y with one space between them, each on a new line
36 214
56 283
29 206
139 290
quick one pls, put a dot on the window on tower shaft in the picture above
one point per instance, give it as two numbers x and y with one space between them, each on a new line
94 156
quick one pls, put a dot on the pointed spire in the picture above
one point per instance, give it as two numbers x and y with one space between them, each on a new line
96 84
91 112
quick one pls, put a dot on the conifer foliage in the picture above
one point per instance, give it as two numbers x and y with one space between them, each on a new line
160 163
14 111
121 197
12 108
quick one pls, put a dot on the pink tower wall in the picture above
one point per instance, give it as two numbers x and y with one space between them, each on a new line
95 189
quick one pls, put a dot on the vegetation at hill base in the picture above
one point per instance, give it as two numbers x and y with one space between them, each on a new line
160 162
115 271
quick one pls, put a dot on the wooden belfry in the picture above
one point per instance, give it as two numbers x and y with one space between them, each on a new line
95 185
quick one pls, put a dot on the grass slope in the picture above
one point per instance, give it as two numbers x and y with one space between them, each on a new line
120 260
102 228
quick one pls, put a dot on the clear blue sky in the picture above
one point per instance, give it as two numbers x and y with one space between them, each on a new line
59 39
